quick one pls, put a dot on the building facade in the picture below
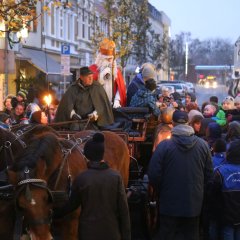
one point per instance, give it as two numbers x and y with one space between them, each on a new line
39 55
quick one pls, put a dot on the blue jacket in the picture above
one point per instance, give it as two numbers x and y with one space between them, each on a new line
136 83
226 189
218 159
179 170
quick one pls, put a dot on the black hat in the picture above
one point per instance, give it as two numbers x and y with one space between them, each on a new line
180 117
94 148
84 71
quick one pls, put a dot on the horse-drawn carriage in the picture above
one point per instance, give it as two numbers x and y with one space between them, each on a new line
38 165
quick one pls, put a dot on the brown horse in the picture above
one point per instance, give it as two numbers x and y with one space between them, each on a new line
10 146
50 160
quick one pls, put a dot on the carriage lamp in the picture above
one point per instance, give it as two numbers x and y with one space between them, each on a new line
48 101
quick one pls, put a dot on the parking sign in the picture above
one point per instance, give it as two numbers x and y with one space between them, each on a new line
65 49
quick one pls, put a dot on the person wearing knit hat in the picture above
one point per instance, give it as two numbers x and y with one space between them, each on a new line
22 95
100 193
147 71
228 103
105 70
20 98
209 111
94 148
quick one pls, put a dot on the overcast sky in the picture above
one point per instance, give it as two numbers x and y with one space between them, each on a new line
203 18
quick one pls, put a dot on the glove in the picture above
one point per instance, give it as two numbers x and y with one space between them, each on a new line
229 117
75 116
93 116
116 104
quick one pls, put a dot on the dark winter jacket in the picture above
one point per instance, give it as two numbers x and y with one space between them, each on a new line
235 114
179 169
225 189
136 83
104 211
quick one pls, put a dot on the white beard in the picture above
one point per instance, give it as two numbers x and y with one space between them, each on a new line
105 74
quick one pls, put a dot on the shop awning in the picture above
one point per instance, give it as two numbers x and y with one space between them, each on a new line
41 60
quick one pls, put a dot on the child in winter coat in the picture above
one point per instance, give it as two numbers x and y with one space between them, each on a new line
226 193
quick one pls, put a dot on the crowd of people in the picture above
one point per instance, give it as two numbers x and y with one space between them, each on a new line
195 168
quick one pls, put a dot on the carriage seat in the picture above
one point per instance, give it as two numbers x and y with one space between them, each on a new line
123 119
137 131
133 110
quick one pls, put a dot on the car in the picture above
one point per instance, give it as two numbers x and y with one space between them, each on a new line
178 87
170 88
190 87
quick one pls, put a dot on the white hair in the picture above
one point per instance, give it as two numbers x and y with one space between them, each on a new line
102 63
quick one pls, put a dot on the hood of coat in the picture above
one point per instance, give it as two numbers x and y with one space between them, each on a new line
183 136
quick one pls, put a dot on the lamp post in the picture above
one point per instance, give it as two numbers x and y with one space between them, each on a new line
186 62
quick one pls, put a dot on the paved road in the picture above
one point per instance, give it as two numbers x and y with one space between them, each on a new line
203 94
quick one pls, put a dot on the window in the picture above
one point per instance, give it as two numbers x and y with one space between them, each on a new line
83 31
75 28
52 19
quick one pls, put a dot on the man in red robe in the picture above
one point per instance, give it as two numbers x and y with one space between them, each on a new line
105 70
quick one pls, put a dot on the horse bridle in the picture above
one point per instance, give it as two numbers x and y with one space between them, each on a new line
24 185
7 146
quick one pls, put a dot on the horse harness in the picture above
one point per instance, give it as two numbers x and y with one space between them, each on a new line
24 185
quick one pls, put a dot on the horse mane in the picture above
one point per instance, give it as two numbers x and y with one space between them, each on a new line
43 147
5 135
